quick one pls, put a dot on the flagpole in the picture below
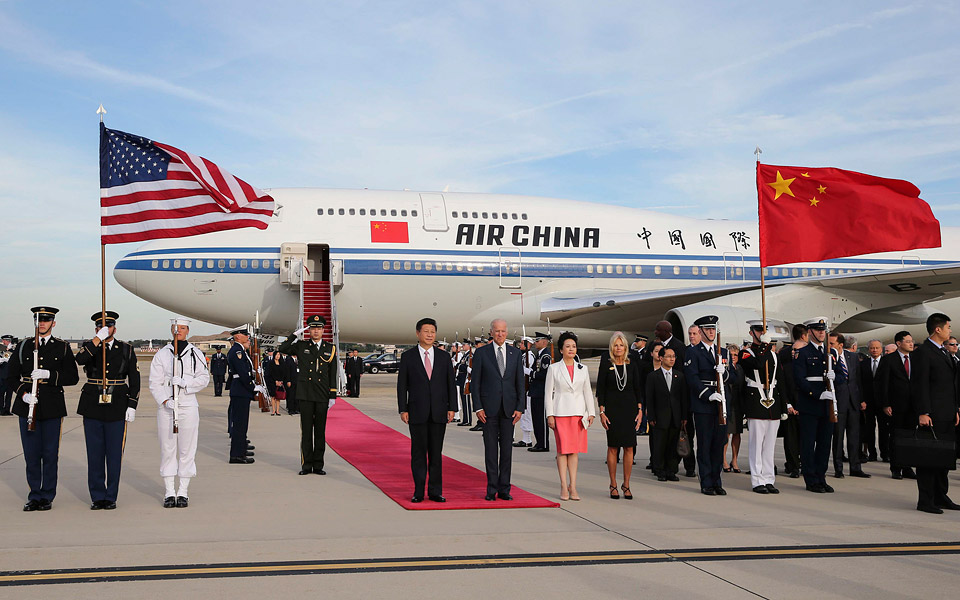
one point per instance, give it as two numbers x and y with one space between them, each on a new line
763 290
104 395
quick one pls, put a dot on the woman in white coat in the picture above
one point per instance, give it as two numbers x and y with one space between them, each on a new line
568 401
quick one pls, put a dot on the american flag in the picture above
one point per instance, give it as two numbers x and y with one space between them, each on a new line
150 190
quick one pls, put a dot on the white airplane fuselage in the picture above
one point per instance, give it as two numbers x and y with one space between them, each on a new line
466 259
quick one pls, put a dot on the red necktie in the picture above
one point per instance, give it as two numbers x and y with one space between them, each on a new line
426 364
906 365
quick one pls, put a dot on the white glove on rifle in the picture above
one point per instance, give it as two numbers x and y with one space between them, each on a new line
831 375
827 395
261 389
178 381
29 398
131 415
720 368
103 334
40 374
715 397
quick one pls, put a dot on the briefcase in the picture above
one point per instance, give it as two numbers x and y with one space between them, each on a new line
922 448
683 445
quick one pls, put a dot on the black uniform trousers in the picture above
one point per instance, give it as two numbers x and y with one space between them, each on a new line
426 456
218 385
538 413
105 442
239 412
313 432
6 395
498 452
711 436
466 410
293 405
815 435
41 451
847 426
791 443
690 461
663 450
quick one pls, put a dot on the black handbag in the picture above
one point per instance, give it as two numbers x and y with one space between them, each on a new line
683 445
922 448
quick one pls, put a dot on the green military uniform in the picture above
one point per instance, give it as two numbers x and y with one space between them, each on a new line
316 386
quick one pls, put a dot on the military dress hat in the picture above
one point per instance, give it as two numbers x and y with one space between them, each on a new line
818 323
707 322
466 341
180 321
7 338
641 338
112 317
543 336
316 321
244 329
45 313
526 339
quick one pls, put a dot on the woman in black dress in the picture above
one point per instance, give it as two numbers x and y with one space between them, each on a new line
618 395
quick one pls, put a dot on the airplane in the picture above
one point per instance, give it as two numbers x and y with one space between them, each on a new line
465 259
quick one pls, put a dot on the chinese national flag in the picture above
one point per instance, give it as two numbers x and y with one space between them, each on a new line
813 214
389 232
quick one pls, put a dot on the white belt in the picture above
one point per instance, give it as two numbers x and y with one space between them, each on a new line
819 378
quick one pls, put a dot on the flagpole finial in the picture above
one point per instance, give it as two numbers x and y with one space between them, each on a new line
758 152
101 111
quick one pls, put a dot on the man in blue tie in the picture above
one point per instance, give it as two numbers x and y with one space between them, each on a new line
497 387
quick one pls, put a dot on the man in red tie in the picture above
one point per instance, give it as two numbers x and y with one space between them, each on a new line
427 400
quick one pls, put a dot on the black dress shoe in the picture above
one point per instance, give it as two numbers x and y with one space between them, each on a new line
649 467
241 460
305 471
770 488
434 498
477 427
672 477
490 497
708 491
885 459
661 477
794 474
908 473
931 509
896 475
761 489
319 472
31 506
250 453
97 505
44 505
463 424
182 502
827 488
251 447
504 496
860 474
109 505
416 499
169 502
838 474
948 505
537 449
520 444
815 488
720 491
691 473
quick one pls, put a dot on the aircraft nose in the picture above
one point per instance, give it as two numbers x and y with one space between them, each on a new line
125 273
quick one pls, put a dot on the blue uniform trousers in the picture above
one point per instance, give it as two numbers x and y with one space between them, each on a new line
105 442
240 420
711 437
815 435
41 451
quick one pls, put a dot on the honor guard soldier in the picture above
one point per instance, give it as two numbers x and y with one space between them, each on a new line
462 367
815 404
703 363
527 359
6 350
762 405
316 390
243 389
39 369
177 373
218 370
107 407
538 380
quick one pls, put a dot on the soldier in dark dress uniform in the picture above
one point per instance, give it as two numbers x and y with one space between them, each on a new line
461 368
243 389
55 368
538 380
815 403
218 370
316 388
700 369
762 405
790 428
105 417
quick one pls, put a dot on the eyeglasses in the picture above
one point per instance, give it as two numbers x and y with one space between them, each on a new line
950 344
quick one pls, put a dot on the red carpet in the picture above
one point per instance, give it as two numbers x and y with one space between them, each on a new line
382 455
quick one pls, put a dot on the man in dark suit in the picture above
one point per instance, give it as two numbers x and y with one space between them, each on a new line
496 383
427 400
893 398
933 389
218 370
790 429
354 370
667 412
663 331
849 404
871 414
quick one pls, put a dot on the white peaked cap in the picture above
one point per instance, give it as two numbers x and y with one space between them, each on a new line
180 321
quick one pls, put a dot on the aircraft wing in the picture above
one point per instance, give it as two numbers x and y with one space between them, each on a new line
882 290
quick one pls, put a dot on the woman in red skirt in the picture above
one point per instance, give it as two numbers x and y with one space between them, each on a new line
568 401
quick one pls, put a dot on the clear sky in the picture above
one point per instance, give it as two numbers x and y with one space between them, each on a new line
649 104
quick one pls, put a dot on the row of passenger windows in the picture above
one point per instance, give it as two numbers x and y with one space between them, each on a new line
220 264
430 266
363 212
475 215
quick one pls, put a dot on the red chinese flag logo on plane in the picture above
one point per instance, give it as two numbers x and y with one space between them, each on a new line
389 232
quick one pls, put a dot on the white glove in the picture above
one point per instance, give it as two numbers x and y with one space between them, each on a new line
715 397
300 331
29 398
103 334
40 374
831 375
178 381
331 403
827 395
261 389
720 368
131 415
